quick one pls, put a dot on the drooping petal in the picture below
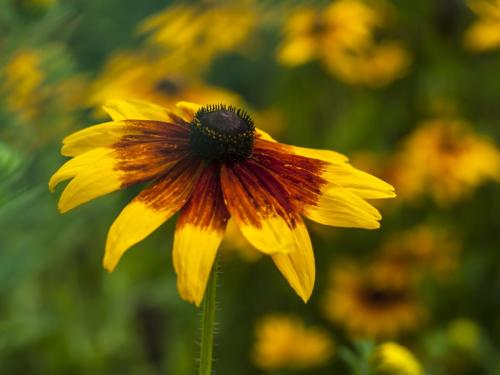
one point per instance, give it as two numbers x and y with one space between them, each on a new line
331 194
261 206
151 208
298 266
200 228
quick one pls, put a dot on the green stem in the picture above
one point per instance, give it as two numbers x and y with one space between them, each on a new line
207 325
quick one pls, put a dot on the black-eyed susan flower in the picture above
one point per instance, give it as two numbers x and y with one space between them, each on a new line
211 163
372 301
165 80
200 31
445 158
343 37
285 342
423 248
391 358
484 34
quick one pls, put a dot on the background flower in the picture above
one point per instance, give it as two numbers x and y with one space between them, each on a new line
285 342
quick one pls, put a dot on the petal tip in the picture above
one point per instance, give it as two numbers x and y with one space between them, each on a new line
305 297
108 264
52 186
197 302
190 297
63 208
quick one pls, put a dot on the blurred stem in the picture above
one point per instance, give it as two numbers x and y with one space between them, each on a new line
359 358
207 324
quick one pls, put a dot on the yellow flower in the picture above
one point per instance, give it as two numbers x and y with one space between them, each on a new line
210 163
372 302
36 86
391 358
22 79
484 34
342 36
445 158
141 75
200 31
285 342
425 249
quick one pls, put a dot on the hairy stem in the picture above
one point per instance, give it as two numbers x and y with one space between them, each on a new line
207 325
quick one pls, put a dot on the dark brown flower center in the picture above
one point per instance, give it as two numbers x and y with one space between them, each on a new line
382 296
168 86
222 133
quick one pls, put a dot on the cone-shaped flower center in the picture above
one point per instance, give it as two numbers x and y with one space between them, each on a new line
222 133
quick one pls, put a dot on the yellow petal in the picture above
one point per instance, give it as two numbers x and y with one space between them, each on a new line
325 155
194 253
188 110
135 110
274 235
109 134
94 174
360 183
297 51
298 266
136 221
198 234
341 208
263 135
102 135
151 208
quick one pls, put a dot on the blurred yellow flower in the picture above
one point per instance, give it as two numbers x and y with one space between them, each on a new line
484 34
22 78
40 93
343 38
424 248
201 31
445 158
140 75
391 358
371 302
284 341
374 66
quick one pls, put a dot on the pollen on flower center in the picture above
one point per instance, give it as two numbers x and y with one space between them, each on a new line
224 133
